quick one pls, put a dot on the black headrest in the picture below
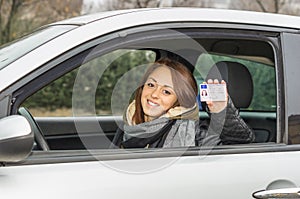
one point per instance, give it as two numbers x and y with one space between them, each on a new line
238 79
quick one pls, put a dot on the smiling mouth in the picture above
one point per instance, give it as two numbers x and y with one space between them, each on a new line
152 103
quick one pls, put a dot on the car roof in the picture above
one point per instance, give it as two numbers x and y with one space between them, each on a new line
199 14
96 25
88 18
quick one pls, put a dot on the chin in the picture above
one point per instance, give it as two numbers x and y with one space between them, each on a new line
153 115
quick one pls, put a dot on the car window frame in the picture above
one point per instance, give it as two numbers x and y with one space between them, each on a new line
60 62
289 42
63 67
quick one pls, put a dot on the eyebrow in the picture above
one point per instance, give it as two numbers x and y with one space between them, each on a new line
160 84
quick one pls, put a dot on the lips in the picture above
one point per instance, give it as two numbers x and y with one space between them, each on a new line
151 103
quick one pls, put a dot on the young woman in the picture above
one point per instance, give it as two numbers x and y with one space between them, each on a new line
165 113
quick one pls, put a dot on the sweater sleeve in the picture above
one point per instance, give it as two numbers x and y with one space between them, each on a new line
225 127
235 130
205 136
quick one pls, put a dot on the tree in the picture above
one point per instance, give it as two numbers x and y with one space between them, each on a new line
273 6
96 6
8 13
19 17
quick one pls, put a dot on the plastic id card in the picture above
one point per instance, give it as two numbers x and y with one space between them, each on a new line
212 92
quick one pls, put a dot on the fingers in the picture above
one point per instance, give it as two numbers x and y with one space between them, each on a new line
210 81
215 81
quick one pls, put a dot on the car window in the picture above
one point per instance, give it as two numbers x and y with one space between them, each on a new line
12 51
103 85
261 113
263 76
56 98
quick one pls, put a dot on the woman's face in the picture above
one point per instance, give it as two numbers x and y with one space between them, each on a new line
158 94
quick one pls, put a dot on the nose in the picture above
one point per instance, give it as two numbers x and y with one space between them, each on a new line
155 92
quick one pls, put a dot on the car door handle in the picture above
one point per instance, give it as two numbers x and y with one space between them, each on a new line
278 193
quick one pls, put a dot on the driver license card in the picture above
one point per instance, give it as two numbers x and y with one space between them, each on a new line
212 92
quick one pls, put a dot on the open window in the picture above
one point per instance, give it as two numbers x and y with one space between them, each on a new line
82 99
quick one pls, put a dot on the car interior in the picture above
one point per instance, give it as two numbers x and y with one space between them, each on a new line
246 61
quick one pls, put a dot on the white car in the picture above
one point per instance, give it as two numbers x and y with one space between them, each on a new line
90 66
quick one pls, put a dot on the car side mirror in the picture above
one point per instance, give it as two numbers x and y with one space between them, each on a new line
16 139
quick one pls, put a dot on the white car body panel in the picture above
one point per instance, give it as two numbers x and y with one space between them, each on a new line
186 178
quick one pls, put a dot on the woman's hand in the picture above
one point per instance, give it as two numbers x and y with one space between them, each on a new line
217 106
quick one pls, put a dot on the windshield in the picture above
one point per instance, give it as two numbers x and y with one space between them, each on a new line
16 49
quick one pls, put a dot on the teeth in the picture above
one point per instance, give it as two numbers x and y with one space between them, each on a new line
152 104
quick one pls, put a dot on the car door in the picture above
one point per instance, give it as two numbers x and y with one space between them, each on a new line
228 171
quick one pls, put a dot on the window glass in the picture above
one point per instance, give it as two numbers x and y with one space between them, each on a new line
104 86
94 85
263 76
12 51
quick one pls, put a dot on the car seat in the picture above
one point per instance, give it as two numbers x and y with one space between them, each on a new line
240 88
238 79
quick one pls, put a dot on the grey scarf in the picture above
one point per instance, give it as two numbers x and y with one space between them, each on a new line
181 133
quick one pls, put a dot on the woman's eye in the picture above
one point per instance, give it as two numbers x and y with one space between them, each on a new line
166 92
150 84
